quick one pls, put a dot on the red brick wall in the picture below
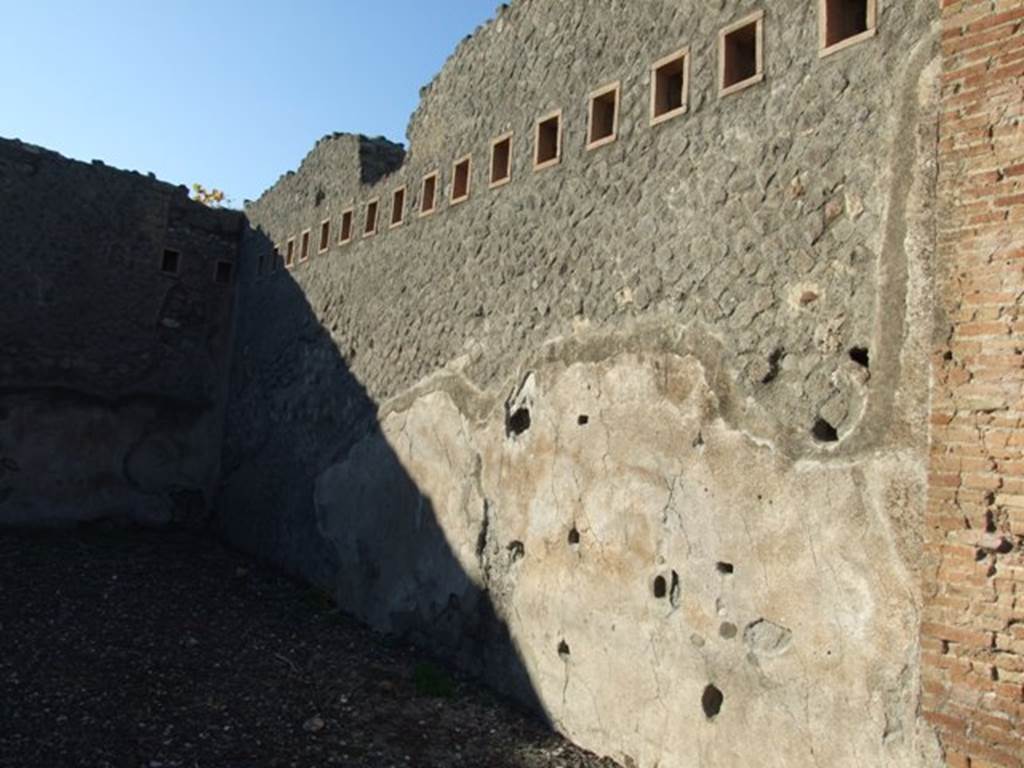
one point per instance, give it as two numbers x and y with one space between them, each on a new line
973 630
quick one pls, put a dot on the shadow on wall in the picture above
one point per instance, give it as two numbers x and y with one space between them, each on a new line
311 484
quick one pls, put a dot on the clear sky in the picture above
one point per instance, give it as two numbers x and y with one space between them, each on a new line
228 93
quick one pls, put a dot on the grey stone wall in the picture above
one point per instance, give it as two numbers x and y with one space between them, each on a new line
112 372
495 427
758 215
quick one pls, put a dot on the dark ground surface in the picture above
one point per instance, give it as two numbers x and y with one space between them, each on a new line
164 650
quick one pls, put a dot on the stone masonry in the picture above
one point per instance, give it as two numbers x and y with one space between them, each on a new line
639 437
112 367
697 433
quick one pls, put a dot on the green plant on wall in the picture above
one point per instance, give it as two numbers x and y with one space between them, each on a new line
213 198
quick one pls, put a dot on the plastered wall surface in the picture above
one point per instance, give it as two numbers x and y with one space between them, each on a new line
537 429
112 372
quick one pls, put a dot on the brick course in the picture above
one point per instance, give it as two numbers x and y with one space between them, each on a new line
973 627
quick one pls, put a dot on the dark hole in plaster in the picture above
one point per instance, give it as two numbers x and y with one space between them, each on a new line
947 356
698 442
518 422
320 195
602 116
774 365
711 702
726 569
223 273
501 161
674 590
740 55
460 182
860 356
516 550
660 587
669 85
583 420
346 227
727 630
574 536
563 649
844 19
170 262
980 554
547 140
824 432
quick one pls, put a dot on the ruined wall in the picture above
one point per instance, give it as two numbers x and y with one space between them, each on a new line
639 438
112 371
973 635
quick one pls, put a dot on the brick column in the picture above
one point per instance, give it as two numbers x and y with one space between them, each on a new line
973 629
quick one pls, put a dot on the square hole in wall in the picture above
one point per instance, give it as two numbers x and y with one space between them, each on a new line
222 272
461 179
843 23
289 259
275 258
670 86
304 246
345 234
370 223
547 149
501 160
741 54
325 236
603 116
428 193
170 262
398 207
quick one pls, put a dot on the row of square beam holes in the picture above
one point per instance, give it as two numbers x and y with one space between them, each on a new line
741 65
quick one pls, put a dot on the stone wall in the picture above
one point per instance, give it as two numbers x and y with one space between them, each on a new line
639 438
112 368
973 635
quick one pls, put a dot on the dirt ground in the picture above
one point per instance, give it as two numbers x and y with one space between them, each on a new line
163 649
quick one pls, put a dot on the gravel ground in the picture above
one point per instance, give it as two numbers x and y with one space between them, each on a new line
165 650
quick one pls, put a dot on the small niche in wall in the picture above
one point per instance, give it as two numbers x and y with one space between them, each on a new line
843 23
325 235
304 247
670 86
603 116
345 234
547 149
501 161
428 194
370 224
741 54
460 179
170 263
398 207
222 272
289 259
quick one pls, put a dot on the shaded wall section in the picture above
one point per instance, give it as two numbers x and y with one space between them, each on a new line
114 341
296 413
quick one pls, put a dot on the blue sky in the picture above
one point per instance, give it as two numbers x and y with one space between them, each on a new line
228 93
